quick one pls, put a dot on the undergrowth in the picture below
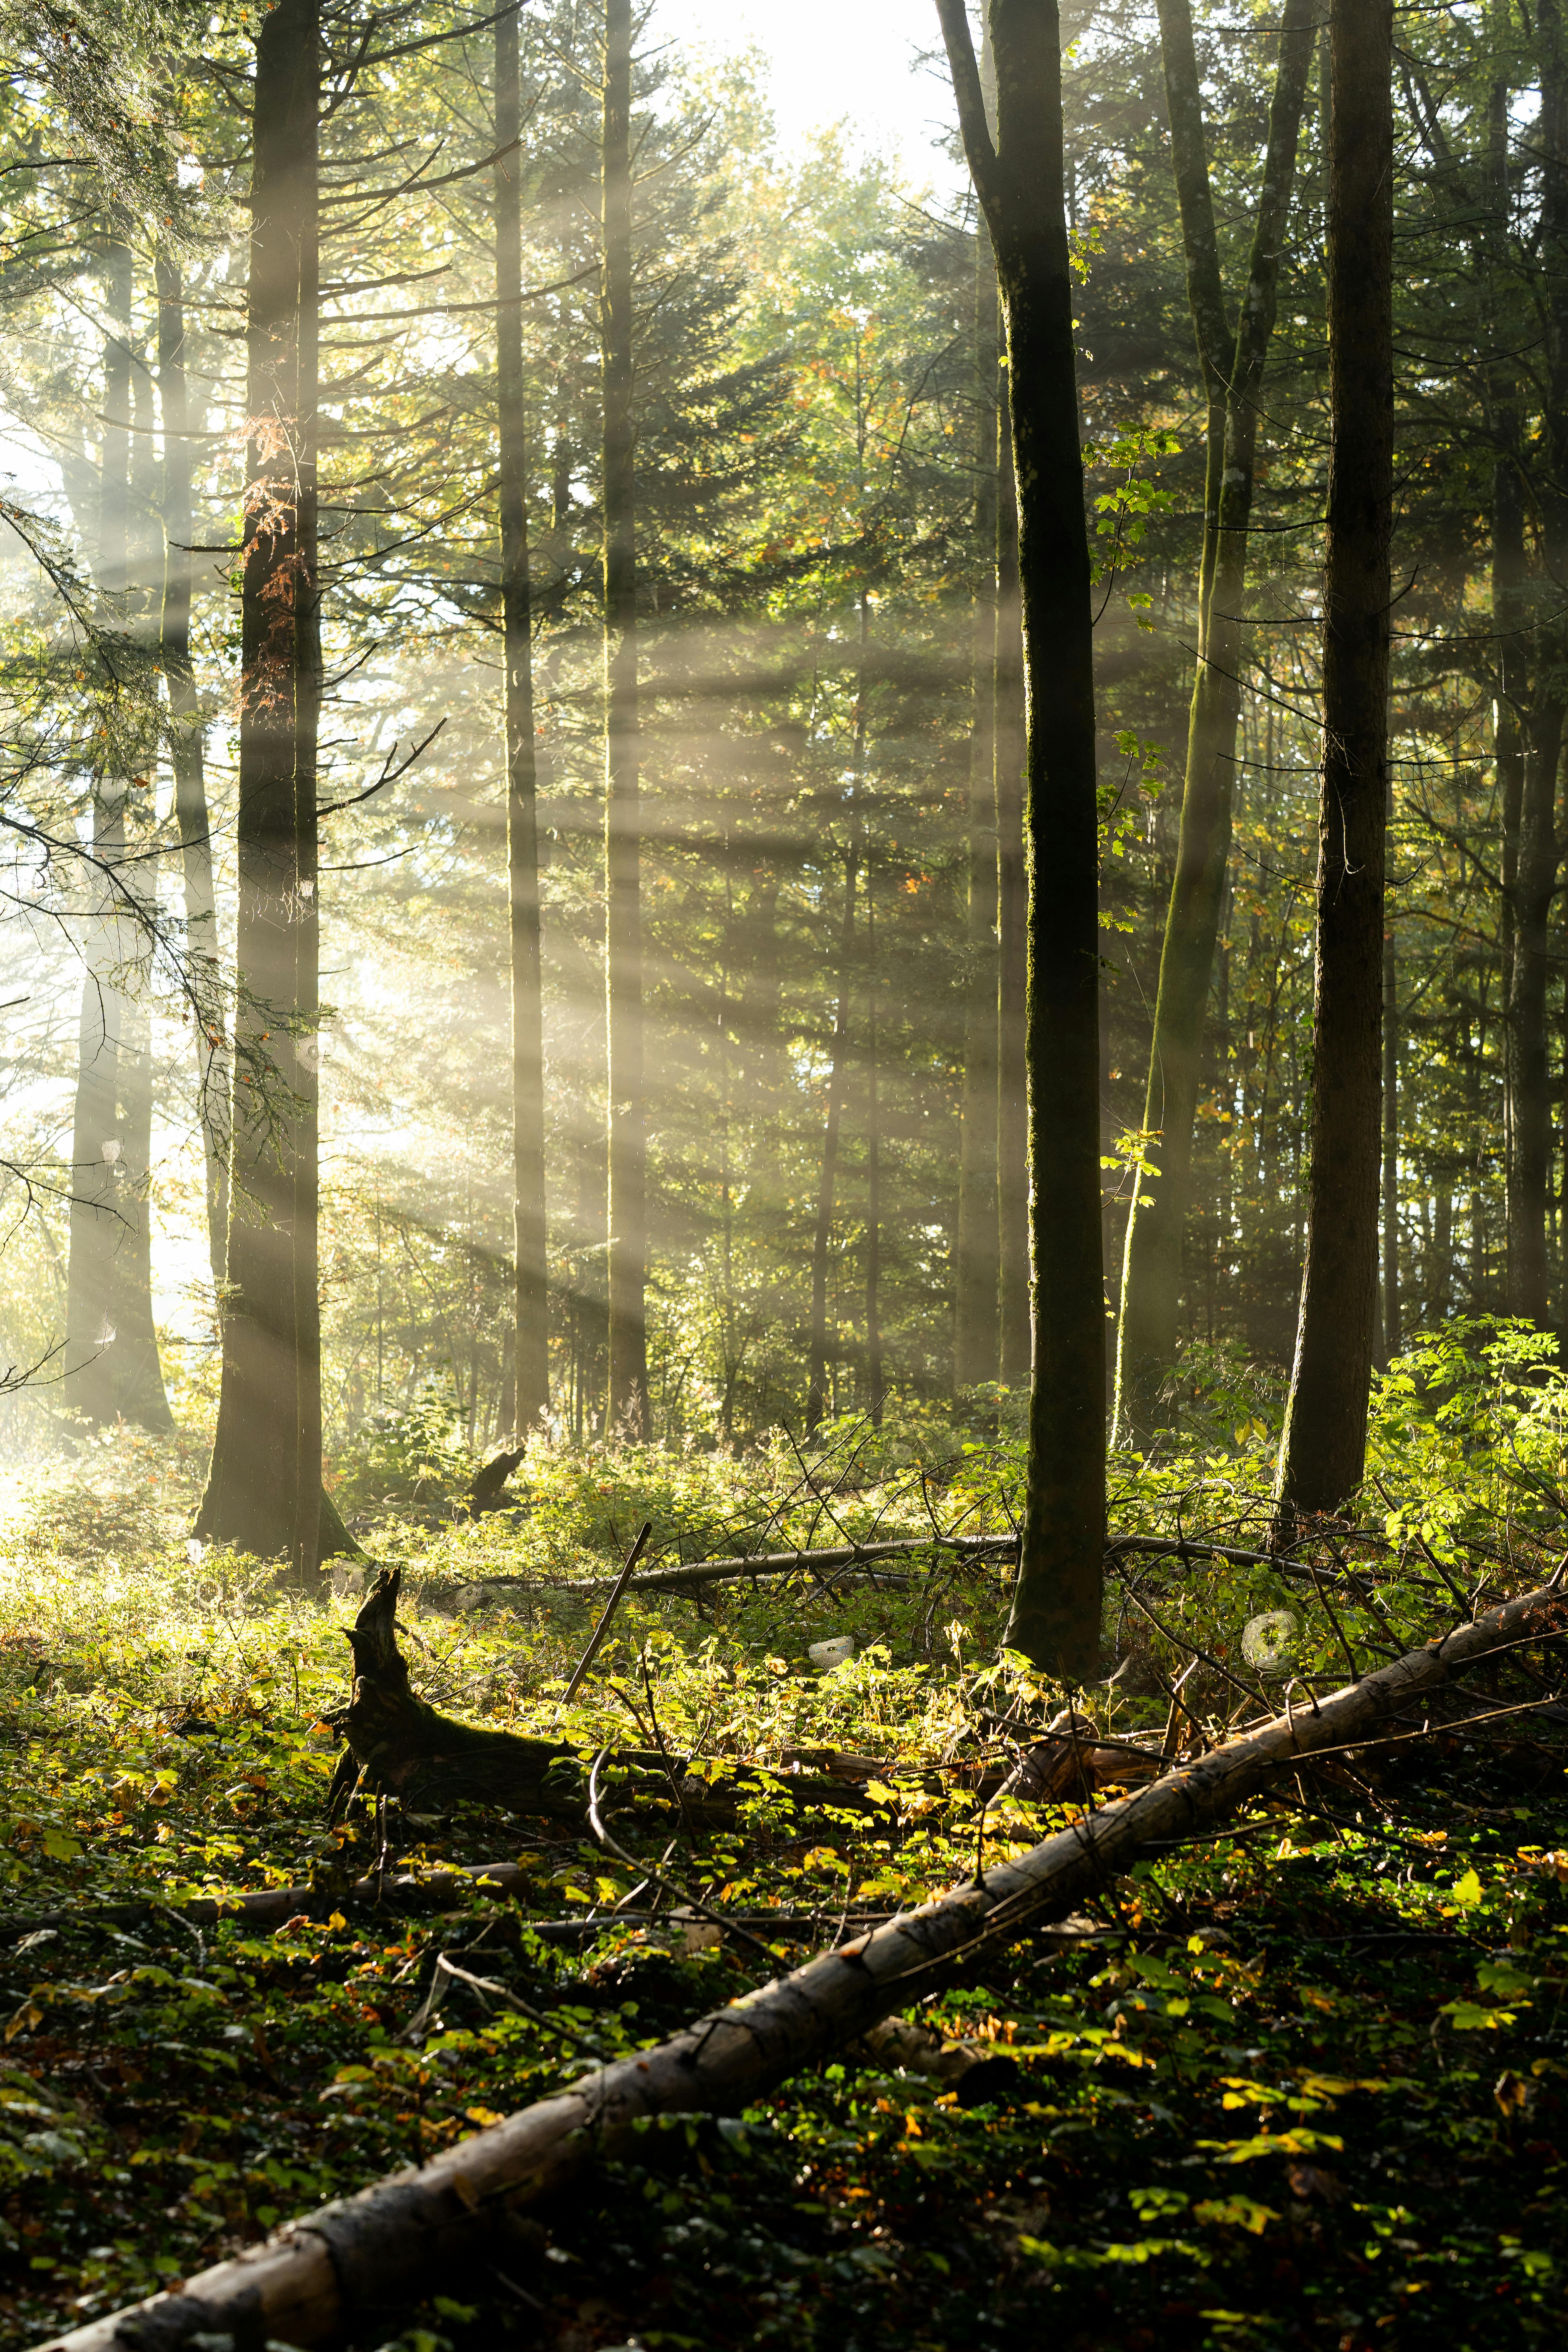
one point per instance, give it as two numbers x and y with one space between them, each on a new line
1303 2086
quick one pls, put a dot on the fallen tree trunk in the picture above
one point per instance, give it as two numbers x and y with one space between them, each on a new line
688 1575
393 2243
832 1559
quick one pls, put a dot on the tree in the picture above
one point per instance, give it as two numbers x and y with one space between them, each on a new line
530 1340
977 1270
817 1393
1232 366
1532 763
187 750
628 1396
1324 1442
1018 179
96 1227
263 1492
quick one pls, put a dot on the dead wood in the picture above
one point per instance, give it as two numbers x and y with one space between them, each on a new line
485 1492
401 1746
393 2242
975 2072
688 1575
398 1746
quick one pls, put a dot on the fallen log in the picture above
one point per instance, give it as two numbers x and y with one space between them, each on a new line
831 1560
399 2239
690 1574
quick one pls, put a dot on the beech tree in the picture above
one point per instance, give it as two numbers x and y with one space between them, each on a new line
530 1338
1231 360
1018 181
1324 1442
264 1485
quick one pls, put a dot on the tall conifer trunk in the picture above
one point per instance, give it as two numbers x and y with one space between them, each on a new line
977 1269
531 1359
263 1491
1323 1450
1232 367
139 1392
96 1228
837 1081
187 755
874 1371
1538 860
1011 929
629 1414
1529 1134
1020 179
1392 1304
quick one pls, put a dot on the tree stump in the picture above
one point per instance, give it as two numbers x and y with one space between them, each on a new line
405 1748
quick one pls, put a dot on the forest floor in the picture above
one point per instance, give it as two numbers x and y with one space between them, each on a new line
1303 2085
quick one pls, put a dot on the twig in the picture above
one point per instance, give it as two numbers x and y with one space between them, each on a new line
611 1605
667 1885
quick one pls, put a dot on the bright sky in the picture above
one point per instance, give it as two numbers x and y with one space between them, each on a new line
833 58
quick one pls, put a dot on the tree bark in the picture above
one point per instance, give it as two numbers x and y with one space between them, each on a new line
977 1268
188 757
1057 1602
137 1376
403 2236
1393 1308
1527 1124
312 1506
837 1081
263 1492
531 1302
1011 929
139 1392
1325 1443
629 1415
97 1143
1529 1093
1232 368
874 1369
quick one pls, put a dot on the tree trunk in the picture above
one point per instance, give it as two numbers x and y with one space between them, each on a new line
263 1491
335 2273
305 1039
1393 1312
531 1396
1530 1103
1011 929
96 1225
192 819
977 1270
1057 1602
629 1415
874 1374
1528 1130
1324 1444
837 1079
1509 707
139 1392
1233 375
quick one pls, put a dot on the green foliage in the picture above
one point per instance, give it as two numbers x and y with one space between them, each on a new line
1310 2068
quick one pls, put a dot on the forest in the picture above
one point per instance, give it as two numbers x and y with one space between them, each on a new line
783 1179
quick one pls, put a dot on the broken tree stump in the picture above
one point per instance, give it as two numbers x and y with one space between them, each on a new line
399 1746
404 1747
